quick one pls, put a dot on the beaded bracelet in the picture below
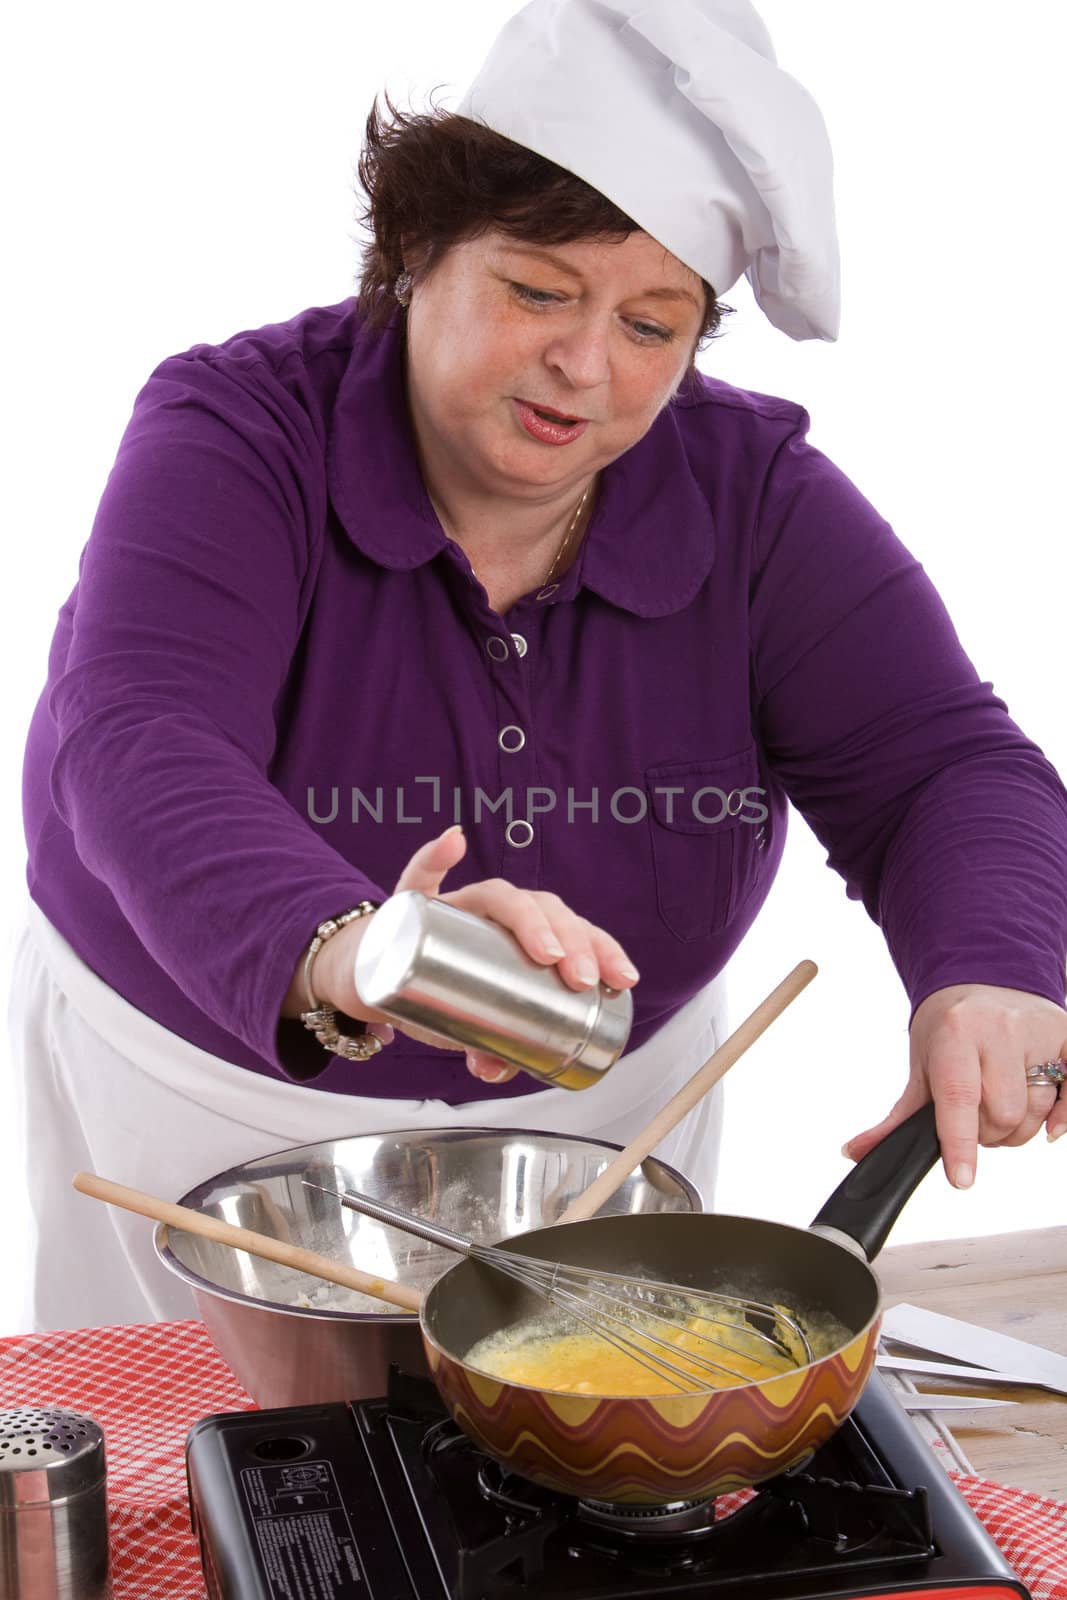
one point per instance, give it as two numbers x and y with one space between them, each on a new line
320 1017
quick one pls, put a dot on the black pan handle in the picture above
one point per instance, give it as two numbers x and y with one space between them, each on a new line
868 1202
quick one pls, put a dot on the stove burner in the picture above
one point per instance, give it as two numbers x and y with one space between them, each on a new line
690 1518
652 1539
518 1497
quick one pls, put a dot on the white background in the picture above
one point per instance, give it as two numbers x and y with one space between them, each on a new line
181 173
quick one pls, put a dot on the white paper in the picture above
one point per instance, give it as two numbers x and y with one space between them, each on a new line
947 1336
947 1402
947 1369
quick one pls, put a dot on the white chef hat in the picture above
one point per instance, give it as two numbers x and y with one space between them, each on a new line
677 111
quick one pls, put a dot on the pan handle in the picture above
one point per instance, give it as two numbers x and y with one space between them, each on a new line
868 1202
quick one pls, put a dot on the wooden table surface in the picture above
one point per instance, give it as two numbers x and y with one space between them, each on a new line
1014 1283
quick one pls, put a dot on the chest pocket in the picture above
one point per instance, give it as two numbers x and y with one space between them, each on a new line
708 821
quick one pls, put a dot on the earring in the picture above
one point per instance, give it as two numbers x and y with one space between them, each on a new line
402 288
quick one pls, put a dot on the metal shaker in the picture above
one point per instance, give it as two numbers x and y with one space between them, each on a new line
53 1506
469 982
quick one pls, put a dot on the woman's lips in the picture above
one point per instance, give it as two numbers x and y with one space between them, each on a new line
546 431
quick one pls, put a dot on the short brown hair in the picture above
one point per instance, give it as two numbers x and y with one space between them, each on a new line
436 179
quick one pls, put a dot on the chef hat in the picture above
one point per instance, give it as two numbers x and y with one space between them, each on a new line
677 111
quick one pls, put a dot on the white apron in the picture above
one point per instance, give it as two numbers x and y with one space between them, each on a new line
104 1088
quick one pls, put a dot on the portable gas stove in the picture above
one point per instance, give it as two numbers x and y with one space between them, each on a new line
388 1500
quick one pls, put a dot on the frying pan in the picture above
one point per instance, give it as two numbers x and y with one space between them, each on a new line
668 1448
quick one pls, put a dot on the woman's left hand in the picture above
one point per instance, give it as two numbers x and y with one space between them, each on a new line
970 1047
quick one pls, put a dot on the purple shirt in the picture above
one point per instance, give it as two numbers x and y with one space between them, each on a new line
277 676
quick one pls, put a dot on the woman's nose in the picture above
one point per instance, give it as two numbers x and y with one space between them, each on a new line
581 355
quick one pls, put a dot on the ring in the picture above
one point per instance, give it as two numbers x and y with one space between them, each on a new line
1052 1072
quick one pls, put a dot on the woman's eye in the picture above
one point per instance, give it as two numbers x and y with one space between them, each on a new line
651 331
539 297
647 332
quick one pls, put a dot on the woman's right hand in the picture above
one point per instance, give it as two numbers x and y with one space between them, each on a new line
546 928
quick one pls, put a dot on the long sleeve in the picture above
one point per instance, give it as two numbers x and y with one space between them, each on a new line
938 812
192 594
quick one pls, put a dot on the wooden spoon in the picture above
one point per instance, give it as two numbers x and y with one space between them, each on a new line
585 1205
256 1244
706 1077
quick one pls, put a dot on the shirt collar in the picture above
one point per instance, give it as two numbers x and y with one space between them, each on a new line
650 544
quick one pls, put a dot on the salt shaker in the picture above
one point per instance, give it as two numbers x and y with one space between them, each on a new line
470 983
53 1506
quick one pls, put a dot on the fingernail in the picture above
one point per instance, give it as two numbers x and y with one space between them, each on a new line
456 827
551 945
845 1151
586 970
484 1073
964 1177
382 1031
1054 1133
630 973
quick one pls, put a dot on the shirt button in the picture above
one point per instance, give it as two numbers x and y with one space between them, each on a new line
519 833
497 647
511 739
520 644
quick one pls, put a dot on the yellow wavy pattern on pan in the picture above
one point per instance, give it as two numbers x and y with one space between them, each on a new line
854 1354
531 1445
487 1391
682 1411
618 1449
834 1379
573 1410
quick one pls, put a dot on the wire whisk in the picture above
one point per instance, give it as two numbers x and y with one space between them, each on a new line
690 1338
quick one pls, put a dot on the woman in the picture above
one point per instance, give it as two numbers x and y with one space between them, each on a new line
349 584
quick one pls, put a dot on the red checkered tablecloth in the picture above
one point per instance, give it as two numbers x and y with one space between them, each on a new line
146 1386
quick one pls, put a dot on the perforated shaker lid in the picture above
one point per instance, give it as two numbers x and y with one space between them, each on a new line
48 1454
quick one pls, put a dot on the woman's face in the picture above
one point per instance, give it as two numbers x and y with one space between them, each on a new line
604 332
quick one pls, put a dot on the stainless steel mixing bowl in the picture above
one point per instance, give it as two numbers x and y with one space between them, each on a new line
294 1340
